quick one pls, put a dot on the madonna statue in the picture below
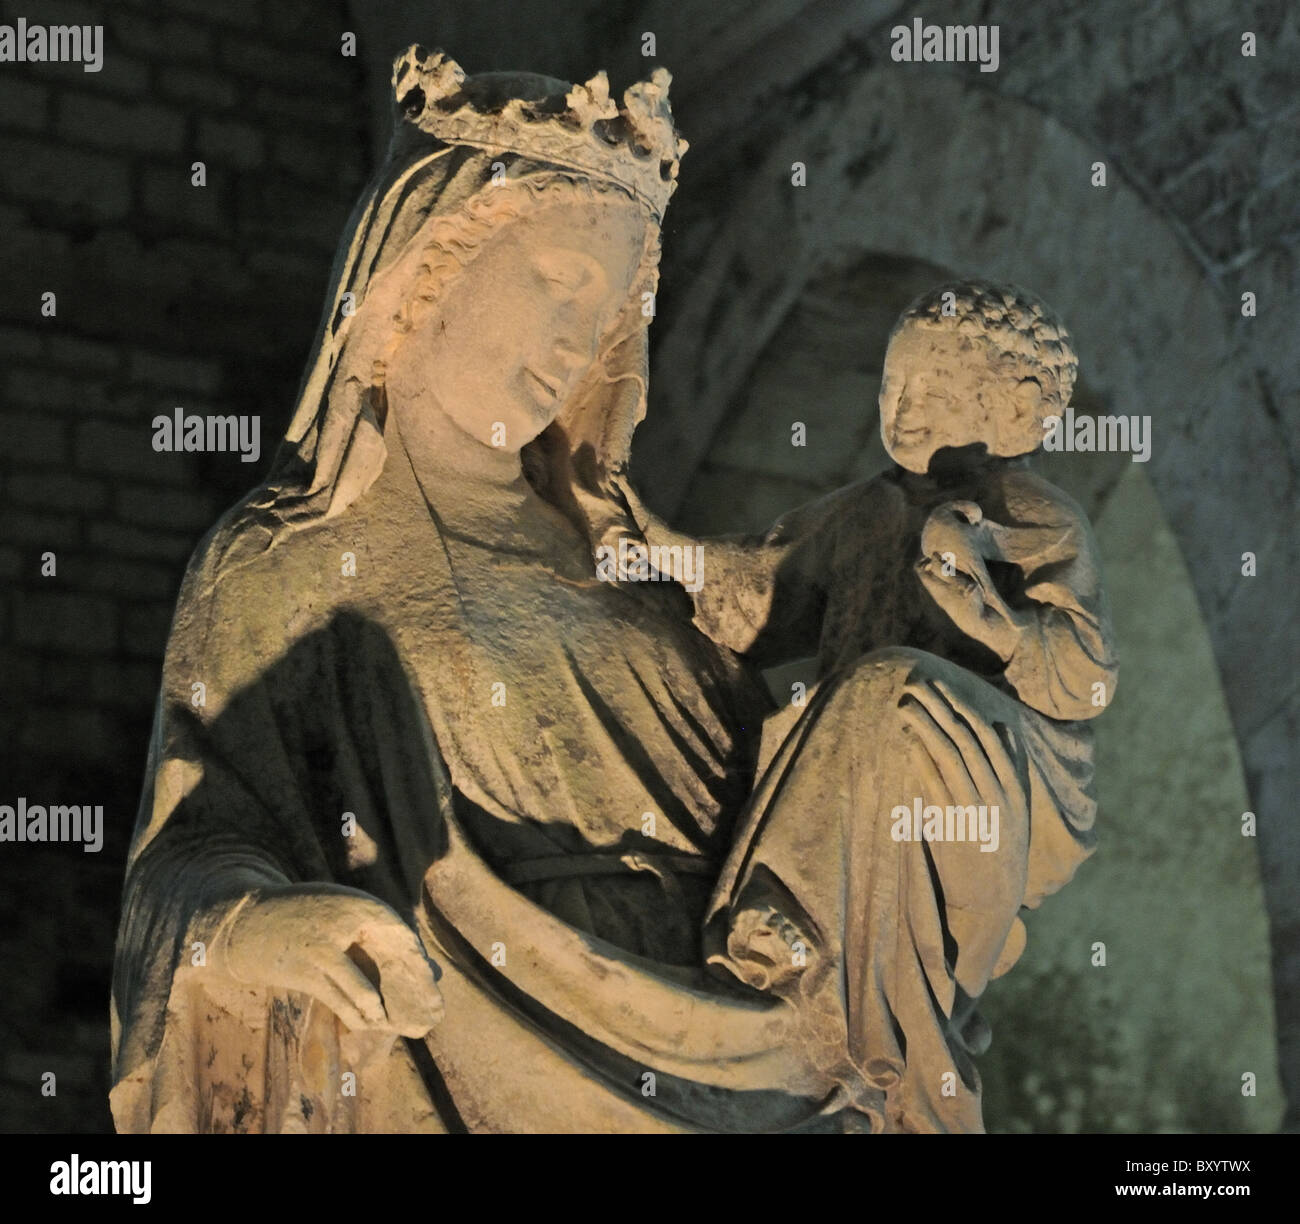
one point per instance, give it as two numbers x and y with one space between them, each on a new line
443 832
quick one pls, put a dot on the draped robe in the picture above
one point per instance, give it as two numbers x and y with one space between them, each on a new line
584 807
623 1001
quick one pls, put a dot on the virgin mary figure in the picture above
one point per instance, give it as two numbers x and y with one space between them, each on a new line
442 832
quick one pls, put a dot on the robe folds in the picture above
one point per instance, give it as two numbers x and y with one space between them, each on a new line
584 807
200 1053
325 695
624 1002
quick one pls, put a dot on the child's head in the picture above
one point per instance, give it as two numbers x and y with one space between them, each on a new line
973 362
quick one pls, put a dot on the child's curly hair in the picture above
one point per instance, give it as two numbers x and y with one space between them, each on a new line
1027 336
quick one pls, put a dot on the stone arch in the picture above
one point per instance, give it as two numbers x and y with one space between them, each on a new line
936 169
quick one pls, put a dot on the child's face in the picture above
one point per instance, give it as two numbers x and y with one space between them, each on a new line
939 389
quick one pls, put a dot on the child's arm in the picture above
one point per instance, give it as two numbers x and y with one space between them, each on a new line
763 594
1054 633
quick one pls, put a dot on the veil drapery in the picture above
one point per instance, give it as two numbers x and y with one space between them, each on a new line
334 447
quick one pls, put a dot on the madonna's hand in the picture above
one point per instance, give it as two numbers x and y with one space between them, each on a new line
343 947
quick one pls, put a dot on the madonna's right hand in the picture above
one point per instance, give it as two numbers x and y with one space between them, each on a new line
343 947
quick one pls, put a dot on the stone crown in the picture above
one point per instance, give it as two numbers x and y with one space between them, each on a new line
579 127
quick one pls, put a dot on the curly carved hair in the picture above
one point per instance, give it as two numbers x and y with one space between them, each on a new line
1027 337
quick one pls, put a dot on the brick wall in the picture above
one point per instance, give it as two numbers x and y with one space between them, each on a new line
168 295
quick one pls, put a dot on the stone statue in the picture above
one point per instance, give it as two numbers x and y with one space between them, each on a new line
973 374
442 831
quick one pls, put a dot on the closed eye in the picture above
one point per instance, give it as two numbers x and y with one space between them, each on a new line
563 272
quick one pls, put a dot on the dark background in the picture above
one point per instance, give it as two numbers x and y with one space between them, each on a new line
170 295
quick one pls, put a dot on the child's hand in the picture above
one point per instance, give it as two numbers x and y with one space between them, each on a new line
952 569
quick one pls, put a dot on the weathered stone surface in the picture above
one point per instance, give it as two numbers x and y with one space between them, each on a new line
428 739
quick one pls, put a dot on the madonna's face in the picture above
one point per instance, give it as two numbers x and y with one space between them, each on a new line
502 349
